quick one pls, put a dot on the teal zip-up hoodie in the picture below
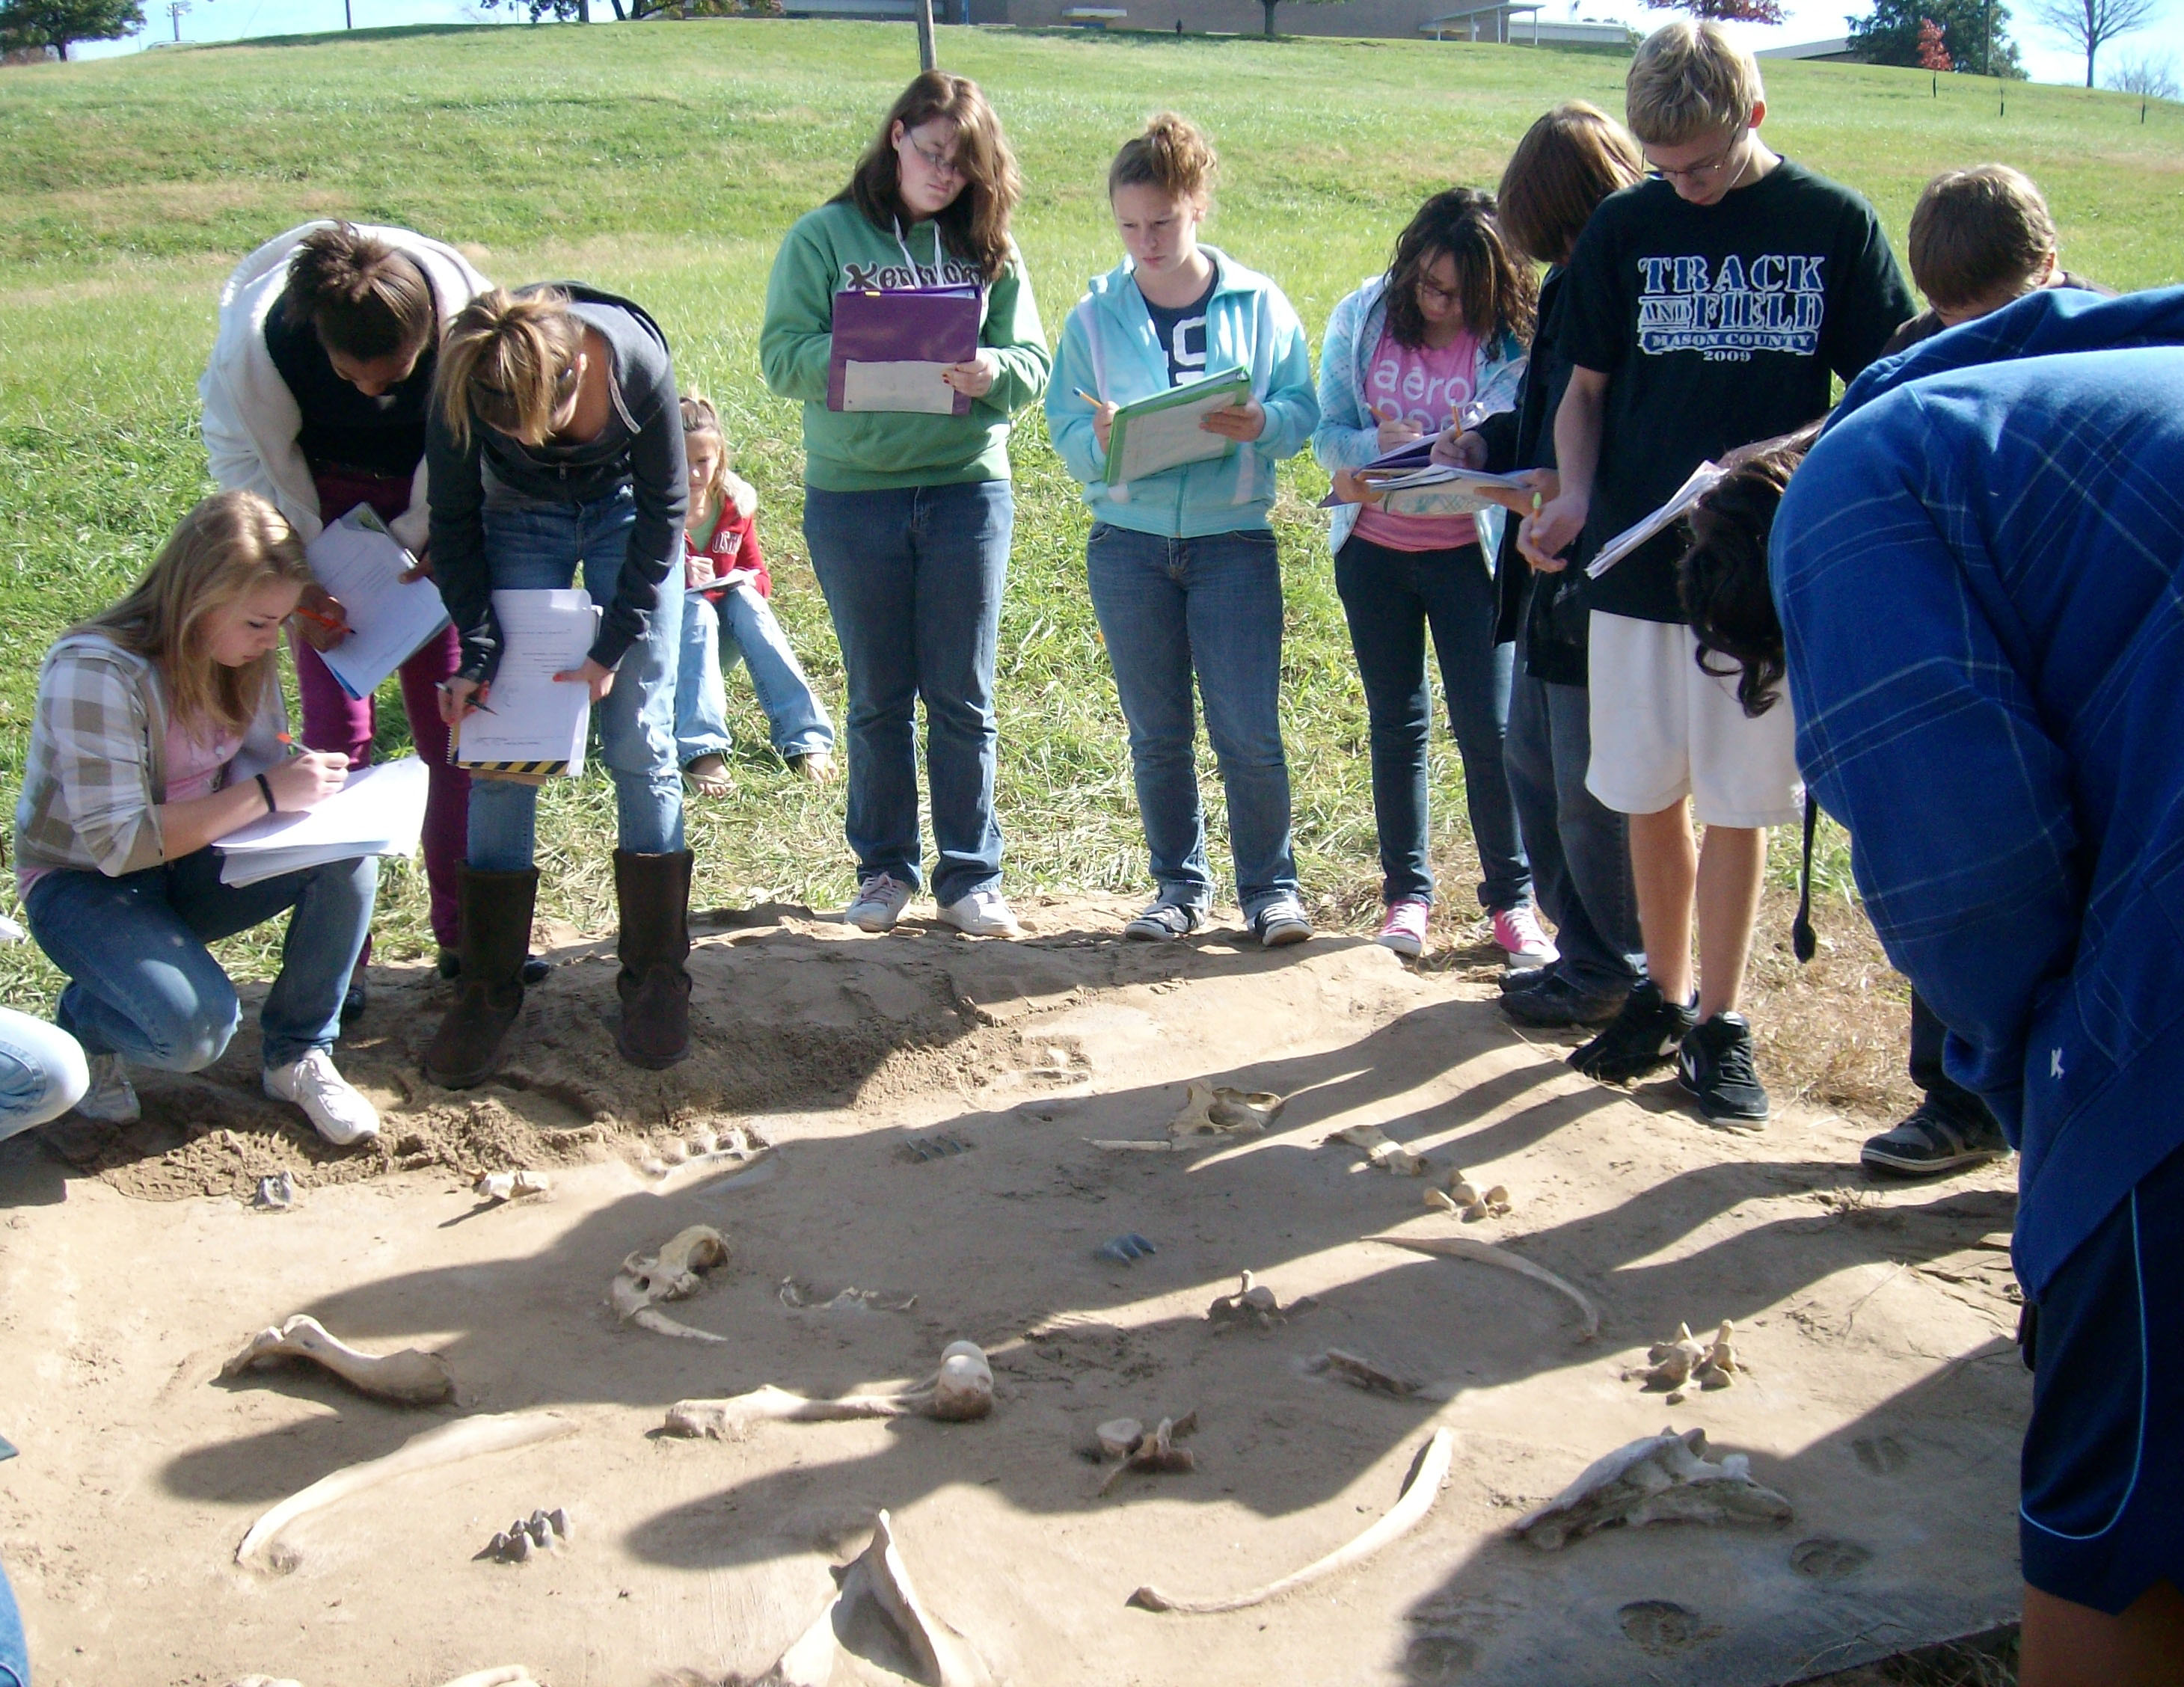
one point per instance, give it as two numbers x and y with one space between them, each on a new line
1109 349
836 248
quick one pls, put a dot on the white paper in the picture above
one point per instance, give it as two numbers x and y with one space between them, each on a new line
913 386
1165 439
528 715
359 561
1703 480
380 811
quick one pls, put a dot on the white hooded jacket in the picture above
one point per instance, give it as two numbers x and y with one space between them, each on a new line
250 419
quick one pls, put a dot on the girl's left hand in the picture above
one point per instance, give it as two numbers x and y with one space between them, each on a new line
600 679
1244 422
974 379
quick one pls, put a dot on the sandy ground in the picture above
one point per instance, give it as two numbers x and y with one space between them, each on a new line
1882 1396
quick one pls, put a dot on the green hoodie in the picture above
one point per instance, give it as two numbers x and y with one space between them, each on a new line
835 247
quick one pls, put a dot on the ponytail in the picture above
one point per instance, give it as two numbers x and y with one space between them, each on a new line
509 363
365 299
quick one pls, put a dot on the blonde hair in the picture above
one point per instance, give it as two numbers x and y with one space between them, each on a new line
975 224
1569 161
1979 233
1173 155
230 545
509 362
700 420
1690 82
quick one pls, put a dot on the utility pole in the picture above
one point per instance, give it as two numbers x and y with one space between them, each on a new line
1987 59
175 10
349 15
925 53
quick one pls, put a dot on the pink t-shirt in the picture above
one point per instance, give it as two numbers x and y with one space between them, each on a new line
193 769
1426 387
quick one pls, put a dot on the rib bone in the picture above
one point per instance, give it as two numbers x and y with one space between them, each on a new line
410 1377
1416 1500
1485 1253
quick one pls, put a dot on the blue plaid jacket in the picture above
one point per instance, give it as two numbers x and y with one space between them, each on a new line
1978 572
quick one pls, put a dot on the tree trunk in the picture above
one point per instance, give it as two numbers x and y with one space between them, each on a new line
2089 51
1268 6
926 57
61 47
621 16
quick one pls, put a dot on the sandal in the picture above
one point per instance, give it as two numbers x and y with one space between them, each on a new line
815 765
709 775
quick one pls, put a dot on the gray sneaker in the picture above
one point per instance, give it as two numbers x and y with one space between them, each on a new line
1164 922
1280 922
879 903
110 1097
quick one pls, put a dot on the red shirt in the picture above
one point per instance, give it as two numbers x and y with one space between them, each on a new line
734 550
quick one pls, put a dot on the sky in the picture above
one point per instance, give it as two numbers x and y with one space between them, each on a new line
204 20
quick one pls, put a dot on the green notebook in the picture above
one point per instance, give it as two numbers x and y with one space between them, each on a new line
1163 431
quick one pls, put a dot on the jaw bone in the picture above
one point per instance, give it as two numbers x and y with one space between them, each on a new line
1660 1479
464 1438
959 1392
410 1377
1416 1500
670 1274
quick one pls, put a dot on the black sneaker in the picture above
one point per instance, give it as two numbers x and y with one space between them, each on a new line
1555 1001
1935 1140
1525 978
1643 1036
1714 1064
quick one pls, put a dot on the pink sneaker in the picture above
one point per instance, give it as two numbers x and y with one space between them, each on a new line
1404 930
1517 934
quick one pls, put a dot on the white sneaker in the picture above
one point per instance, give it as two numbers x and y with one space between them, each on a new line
879 904
983 914
341 1116
1519 936
110 1098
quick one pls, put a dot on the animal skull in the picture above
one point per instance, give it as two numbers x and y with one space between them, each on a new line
671 1274
1661 1478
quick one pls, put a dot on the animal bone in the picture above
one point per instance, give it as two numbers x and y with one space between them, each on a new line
802 1297
1416 1500
1210 1110
736 1144
671 1274
541 1531
1253 1303
410 1377
275 1193
1118 1437
1659 1478
1382 1151
1157 1453
1365 1374
1130 1144
1485 1253
960 1391
508 1675
507 1186
1673 1363
465 1438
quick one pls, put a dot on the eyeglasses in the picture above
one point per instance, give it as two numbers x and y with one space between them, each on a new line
1432 292
942 166
1697 172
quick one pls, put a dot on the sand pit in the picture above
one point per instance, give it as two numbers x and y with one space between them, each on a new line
929 1103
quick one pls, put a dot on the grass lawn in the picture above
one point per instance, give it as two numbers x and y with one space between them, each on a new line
665 160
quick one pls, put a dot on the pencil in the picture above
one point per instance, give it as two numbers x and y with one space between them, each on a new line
323 621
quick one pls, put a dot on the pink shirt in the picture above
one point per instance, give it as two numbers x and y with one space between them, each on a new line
1426 387
193 769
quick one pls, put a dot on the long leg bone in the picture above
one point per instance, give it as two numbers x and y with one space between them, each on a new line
1416 1500
1661 1478
465 1438
670 1274
410 1377
1485 1253
962 1390
1365 1374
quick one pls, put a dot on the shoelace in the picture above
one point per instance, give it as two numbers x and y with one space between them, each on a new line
1733 1063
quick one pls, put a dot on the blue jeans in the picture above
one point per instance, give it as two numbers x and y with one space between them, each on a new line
43 1073
796 718
1390 599
15 1654
913 578
542 547
1580 849
1212 606
142 985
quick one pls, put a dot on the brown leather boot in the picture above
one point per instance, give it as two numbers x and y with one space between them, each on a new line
496 940
653 893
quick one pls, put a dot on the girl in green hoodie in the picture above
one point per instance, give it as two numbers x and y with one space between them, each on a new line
908 515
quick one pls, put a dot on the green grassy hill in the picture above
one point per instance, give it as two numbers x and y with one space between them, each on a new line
665 160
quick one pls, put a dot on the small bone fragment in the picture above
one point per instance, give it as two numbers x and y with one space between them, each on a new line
1474 1213
1416 1500
962 1390
802 1297
1485 1253
1440 1201
1674 1363
1382 1151
1365 1374
275 1193
1253 1303
1211 1109
465 1438
1135 1144
1497 1196
410 1377
1157 1453
508 1675
507 1186
671 1274
1462 1193
1119 1436
1659 1478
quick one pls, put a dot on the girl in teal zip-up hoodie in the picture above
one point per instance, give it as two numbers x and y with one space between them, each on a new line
1182 564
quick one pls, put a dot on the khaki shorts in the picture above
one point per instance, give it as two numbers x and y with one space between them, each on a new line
1663 730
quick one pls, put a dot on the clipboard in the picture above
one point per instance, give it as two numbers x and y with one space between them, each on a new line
889 348
1163 431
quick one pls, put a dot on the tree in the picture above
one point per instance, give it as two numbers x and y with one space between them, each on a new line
57 23
1726 11
1267 6
1933 46
2150 76
2090 25
1889 35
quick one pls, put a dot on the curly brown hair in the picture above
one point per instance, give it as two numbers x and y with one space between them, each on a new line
1494 288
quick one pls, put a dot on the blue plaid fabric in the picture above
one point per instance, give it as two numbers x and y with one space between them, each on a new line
1977 570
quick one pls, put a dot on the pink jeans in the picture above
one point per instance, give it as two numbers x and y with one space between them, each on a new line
333 721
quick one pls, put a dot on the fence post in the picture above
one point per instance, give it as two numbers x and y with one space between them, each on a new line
925 56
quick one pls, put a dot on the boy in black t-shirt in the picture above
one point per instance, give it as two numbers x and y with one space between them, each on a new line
1708 308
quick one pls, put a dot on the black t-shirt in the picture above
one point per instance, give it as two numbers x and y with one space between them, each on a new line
341 428
1716 326
1182 332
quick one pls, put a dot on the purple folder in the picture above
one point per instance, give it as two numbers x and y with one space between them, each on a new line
908 325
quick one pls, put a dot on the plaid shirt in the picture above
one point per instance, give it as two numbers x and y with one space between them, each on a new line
97 771
1981 575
